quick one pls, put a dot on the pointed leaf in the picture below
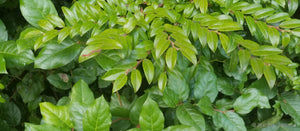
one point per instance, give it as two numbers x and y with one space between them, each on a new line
289 102
162 81
277 17
136 79
3 32
63 34
277 59
274 36
285 39
257 67
202 32
203 6
266 50
113 74
206 106
148 70
229 121
71 18
251 8
180 128
212 41
43 127
120 82
171 58
262 13
187 114
224 41
244 57
81 93
251 45
269 75
55 20
293 23
2 65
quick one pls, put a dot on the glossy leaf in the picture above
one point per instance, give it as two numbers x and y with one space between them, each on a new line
244 57
251 25
187 114
229 121
151 117
259 14
120 82
251 8
277 59
274 36
136 79
203 6
70 16
293 23
180 128
55 115
289 105
44 127
212 40
277 17
263 29
113 74
224 41
2 65
257 67
55 20
251 45
81 93
35 10
148 70
63 34
3 32
162 81
226 26
292 6
97 117
171 58
206 106
266 50
269 75
285 39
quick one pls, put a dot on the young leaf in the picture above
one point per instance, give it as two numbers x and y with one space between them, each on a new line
257 67
244 57
224 41
251 45
55 20
202 32
239 17
161 46
151 117
251 25
35 10
277 59
171 58
162 81
212 40
46 25
97 117
187 114
203 4
63 34
55 115
285 39
148 70
136 79
293 23
229 120
81 93
119 82
71 18
269 75
262 13
274 36
251 8
130 25
277 17
113 74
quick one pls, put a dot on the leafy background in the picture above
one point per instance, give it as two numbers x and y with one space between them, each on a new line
55 84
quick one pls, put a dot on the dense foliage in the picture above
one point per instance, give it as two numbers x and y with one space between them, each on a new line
149 65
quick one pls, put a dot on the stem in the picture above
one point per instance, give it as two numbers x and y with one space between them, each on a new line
94 51
121 104
172 43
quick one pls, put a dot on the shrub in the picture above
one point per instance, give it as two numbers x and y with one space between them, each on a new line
151 65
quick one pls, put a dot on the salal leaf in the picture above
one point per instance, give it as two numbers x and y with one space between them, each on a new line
251 45
81 93
269 75
55 115
206 106
35 10
277 17
244 57
212 40
44 127
293 23
151 117
97 117
171 58
250 99
266 50
277 59
2 65
274 36
188 114
136 79
55 55
257 67
229 121
148 70
3 32
119 82
162 81
180 128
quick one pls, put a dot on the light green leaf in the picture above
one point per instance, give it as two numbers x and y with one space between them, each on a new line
2 65
239 17
251 8
250 99
130 25
162 81
161 44
251 25
262 13
226 26
263 27
44 127
224 41
277 17
46 25
55 20
148 70
81 93
113 74
206 106
251 45
285 39
63 34
187 114
3 32
120 82
274 36
292 6
97 117
180 128
212 40
151 117
229 121
269 75
55 55
55 115
35 10
296 32
70 16
203 4
30 33
266 50
171 58
136 79
257 67
293 23
277 59
285 69
202 32
244 57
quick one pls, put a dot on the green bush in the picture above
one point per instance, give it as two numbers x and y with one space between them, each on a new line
149 65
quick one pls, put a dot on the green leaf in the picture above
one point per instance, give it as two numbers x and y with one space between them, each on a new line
274 36
120 82
45 38
269 75
55 20
251 8
81 93
202 32
43 127
224 41
70 16
277 17
55 55
161 46
55 115
113 74
148 70
251 45
285 39
63 34
239 17
296 32
205 84
229 121
262 13
180 128
257 67
130 25
46 25
3 32
266 50
97 117
292 6
289 105
212 40
162 81
2 65
206 106
151 117
244 57
135 110
226 26
277 59
250 99
251 25
292 23
263 27
136 79
225 86
203 4
171 58
285 69
187 114
35 10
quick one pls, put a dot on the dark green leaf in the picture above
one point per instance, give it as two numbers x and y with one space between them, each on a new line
257 67
292 6
3 32
229 121
244 57
206 106
2 65
225 86
187 114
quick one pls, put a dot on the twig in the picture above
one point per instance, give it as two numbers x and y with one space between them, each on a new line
119 99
